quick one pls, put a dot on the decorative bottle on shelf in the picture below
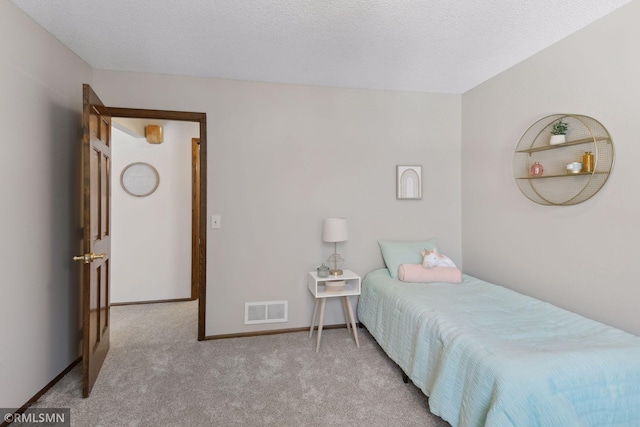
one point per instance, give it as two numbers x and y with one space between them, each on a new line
536 169
587 161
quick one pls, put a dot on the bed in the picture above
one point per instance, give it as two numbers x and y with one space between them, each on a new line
488 356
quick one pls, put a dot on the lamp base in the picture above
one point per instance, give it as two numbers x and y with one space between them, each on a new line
335 262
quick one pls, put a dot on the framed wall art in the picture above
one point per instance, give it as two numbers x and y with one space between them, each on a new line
408 182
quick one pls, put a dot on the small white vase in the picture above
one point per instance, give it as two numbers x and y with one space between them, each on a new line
558 139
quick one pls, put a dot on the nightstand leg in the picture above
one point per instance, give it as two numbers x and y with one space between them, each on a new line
353 323
322 304
345 301
313 318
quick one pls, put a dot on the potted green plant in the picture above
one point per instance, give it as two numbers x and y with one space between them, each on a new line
559 132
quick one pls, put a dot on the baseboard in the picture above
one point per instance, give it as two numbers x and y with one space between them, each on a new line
271 332
157 301
46 388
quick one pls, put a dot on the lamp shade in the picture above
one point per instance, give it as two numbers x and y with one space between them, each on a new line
334 230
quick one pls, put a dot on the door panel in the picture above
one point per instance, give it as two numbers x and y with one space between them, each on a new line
96 167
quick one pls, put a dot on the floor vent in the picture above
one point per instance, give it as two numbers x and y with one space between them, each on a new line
265 312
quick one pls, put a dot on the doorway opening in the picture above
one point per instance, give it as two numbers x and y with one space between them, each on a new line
198 156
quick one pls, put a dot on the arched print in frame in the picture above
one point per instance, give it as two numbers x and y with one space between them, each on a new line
408 182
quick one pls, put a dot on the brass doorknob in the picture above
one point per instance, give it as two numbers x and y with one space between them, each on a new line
88 258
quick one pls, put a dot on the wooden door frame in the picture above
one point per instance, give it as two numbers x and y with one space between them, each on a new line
196 217
201 118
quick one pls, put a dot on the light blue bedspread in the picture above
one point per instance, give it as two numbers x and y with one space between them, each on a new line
488 356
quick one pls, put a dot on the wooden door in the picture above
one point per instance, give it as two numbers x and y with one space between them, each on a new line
96 206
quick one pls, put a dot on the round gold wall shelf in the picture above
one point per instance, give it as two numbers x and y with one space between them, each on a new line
555 186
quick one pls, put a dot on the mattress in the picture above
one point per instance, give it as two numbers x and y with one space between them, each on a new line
489 356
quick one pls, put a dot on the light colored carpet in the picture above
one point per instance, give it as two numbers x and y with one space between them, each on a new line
158 374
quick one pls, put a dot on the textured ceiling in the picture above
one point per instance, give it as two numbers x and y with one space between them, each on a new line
446 46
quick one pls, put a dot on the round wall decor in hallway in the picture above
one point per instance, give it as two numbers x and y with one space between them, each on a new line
139 179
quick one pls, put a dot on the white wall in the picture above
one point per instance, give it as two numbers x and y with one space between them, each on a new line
151 243
283 157
40 117
581 257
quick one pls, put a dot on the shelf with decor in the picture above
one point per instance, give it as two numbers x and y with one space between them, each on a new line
559 176
564 144
567 172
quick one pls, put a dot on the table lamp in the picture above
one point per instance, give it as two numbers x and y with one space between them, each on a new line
334 230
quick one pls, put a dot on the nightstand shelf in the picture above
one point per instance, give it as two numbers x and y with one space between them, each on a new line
319 290
317 287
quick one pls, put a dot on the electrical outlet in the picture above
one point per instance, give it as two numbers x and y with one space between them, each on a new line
215 221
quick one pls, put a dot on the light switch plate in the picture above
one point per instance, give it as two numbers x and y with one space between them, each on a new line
215 221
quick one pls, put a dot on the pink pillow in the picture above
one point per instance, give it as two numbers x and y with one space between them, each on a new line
417 273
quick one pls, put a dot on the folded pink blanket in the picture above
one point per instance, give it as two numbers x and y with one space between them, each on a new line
417 273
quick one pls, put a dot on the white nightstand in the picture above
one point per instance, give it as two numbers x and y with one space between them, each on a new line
317 286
